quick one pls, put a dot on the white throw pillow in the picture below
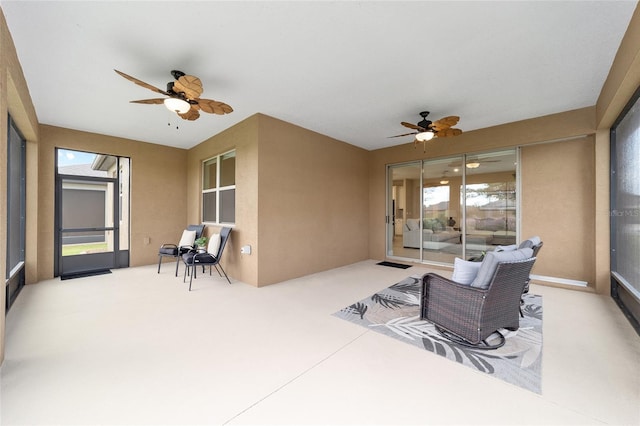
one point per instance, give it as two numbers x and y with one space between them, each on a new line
214 244
188 238
464 271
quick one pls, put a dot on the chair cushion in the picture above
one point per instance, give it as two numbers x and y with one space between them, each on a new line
530 242
188 238
490 263
214 244
188 258
204 258
170 251
506 248
464 271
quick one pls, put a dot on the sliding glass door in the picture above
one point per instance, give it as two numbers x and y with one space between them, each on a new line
403 210
452 207
441 211
490 202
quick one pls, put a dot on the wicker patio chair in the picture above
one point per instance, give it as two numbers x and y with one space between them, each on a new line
535 244
469 315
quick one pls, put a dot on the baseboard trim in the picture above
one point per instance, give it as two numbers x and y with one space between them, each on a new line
563 281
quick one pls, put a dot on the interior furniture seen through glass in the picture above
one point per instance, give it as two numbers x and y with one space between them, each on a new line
451 207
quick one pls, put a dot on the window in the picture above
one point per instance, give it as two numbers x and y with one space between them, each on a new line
625 211
219 189
16 214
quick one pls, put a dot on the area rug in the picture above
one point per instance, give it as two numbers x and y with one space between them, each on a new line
394 312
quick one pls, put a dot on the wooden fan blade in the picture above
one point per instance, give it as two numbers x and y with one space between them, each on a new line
406 134
190 115
445 123
141 83
190 85
148 101
447 133
214 107
413 126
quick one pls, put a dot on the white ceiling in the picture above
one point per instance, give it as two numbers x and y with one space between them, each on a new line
350 70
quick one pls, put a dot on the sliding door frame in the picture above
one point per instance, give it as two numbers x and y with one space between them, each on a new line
391 208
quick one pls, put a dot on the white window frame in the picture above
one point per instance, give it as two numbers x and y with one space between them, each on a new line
217 190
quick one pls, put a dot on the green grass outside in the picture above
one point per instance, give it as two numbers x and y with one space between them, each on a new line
73 249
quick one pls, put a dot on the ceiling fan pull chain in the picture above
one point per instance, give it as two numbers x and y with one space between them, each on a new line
169 124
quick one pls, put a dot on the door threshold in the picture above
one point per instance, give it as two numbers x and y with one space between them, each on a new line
84 274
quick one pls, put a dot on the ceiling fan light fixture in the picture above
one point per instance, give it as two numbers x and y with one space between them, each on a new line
425 136
177 105
444 181
473 165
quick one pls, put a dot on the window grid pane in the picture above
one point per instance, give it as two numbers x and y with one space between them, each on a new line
218 189
228 206
209 171
228 170
209 207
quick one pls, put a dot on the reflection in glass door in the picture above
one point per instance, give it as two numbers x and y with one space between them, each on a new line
442 239
403 210
490 202
452 207
92 199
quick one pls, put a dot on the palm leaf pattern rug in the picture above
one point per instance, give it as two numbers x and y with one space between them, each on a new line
395 311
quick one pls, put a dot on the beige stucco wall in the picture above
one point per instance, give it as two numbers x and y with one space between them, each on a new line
558 204
243 137
16 101
543 167
158 196
300 194
623 78
313 202
4 34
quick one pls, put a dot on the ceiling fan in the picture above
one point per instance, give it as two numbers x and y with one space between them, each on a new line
427 130
183 96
